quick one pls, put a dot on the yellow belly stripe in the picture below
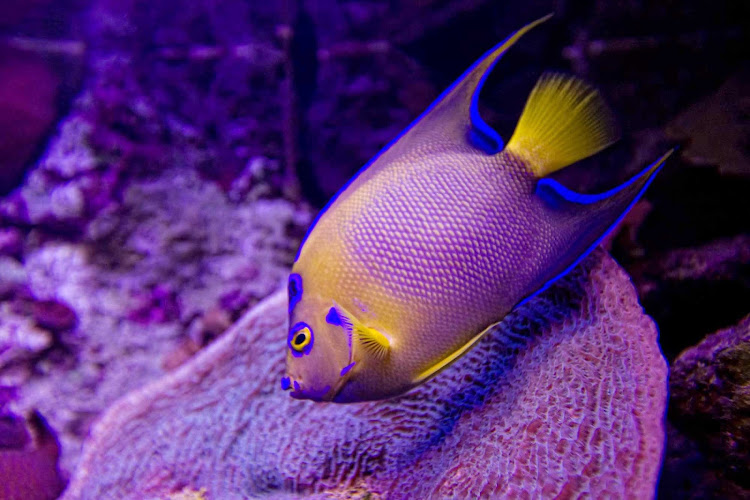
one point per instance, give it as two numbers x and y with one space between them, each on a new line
429 372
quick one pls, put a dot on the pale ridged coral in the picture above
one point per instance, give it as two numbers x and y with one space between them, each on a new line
567 397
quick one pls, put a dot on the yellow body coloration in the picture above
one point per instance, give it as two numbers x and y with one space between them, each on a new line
441 236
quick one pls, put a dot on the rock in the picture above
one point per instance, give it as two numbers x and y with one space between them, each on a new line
710 398
13 433
20 338
11 242
689 474
8 393
717 128
12 276
14 11
54 315
28 467
145 269
57 191
565 398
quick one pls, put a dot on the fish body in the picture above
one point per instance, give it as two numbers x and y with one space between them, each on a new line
441 236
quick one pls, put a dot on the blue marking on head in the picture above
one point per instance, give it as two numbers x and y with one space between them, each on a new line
293 333
481 134
297 387
294 288
548 189
347 368
286 383
333 317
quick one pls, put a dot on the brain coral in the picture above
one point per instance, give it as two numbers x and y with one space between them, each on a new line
565 399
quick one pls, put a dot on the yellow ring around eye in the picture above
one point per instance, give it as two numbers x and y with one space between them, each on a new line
301 339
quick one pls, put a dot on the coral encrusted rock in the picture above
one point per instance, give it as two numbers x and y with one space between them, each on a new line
710 398
565 398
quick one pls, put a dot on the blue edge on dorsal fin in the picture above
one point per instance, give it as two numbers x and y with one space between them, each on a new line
550 189
481 134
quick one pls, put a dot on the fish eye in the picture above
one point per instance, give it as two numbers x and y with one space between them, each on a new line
300 339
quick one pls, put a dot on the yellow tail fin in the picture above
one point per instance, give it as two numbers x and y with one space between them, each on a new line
564 120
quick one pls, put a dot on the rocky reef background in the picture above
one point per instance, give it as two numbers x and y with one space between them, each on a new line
160 161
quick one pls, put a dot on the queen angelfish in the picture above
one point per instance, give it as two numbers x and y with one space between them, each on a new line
442 234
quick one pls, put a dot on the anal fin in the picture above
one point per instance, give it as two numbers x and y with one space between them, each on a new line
556 194
610 207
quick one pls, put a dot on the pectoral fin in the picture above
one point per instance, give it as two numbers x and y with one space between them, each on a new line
372 341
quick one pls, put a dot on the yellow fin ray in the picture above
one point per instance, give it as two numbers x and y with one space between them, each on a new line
565 120
374 342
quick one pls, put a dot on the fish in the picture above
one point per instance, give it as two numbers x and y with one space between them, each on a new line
443 233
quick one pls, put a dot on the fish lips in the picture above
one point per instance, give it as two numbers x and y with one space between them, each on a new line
326 394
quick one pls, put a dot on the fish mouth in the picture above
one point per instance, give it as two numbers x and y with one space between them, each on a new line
300 392
326 394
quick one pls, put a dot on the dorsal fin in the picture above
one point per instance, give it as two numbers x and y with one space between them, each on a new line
457 108
452 121
373 342
564 120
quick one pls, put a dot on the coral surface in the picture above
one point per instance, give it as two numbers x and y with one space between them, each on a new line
565 398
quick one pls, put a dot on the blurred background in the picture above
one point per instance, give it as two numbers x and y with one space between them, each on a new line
160 161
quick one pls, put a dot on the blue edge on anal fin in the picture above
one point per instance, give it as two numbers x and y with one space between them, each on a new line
481 134
550 188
